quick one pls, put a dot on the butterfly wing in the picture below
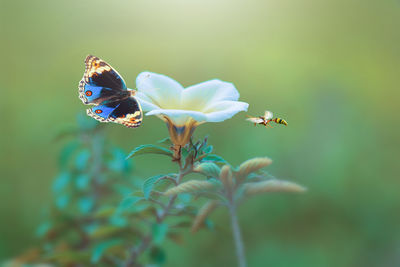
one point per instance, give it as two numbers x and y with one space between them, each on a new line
100 82
126 112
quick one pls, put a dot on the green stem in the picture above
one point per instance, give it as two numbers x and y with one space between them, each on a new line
147 240
237 235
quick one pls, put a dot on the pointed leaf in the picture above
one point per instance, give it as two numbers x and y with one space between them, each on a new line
43 229
67 152
214 158
82 159
185 198
208 168
62 201
252 165
61 182
208 149
226 177
159 232
203 213
149 183
127 203
157 256
85 204
274 185
190 187
166 141
82 181
99 249
149 149
119 162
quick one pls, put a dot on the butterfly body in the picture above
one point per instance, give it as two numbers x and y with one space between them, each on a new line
103 87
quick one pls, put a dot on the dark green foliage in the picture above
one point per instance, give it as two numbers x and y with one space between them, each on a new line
157 256
159 232
99 218
88 223
149 149
149 183
101 248
128 203
214 158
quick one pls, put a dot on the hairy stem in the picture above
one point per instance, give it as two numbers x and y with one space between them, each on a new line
237 235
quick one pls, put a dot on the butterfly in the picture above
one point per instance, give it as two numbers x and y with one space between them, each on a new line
103 87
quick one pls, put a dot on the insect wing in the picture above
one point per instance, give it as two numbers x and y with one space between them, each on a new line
128 113
100 81
268 115
255 120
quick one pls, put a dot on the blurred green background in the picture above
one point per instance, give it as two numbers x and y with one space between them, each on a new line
330 68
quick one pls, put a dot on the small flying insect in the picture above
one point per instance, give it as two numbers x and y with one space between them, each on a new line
266 119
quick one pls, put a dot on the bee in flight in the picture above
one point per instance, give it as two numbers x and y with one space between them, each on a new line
266 119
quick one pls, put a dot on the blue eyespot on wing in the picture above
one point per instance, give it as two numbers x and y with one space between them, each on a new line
102 112
126 112
100 81
90 94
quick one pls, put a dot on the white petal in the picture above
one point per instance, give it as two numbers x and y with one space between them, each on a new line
145 102
224 110
161 90
179 117
200 96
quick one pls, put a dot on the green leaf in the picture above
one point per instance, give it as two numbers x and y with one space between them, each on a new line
91 228
82 159
159 232
85 123
251 166
43 229
127 203
62 201
185 198
149 149
67 152
118 162
214 158
208 149
158 256
99 249
184 154
166 141
61 182
208 168
117 220
273 185
149 183
191 186
122 189
82 181
85 204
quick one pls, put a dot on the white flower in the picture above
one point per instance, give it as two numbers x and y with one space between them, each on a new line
185 108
